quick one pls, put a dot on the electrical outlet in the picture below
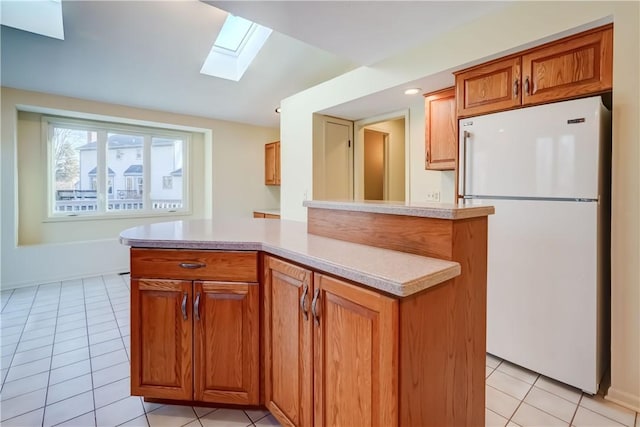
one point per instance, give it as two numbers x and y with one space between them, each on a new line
433 196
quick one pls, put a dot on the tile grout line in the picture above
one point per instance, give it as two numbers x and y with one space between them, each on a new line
46 394
576 410
86 321
521 400
4 380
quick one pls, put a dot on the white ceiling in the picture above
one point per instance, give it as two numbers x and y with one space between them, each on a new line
149 53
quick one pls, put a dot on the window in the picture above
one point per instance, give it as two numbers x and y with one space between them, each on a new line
98 168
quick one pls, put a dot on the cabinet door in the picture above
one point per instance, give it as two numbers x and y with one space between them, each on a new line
287 343
570 68
271 160
441 133
355 355
227 348
488 88
161 339
258 215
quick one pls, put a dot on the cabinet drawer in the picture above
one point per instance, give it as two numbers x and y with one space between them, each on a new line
192 264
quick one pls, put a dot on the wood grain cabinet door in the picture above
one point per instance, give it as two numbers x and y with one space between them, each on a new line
355 355
287 330
226 342
161 356
566 69
492 87
441 130
272 163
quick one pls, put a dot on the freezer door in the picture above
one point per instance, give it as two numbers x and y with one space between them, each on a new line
548 151
542 289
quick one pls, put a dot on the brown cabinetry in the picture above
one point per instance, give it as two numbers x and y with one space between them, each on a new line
195 339
441 138
571 67
330 350
265 215
272 163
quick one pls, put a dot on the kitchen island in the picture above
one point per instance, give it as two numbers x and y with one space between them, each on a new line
318 329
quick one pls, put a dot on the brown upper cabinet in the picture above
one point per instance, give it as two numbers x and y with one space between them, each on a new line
440 129
568 68
272 163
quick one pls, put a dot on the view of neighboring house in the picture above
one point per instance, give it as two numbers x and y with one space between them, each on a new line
77 171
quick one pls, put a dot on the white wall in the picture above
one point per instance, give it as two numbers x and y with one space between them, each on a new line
519 25
228 181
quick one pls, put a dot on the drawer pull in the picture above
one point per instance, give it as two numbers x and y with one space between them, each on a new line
184 306
192 265
196 306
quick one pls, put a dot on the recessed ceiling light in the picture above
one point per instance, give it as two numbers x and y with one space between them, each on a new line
412 91
278 109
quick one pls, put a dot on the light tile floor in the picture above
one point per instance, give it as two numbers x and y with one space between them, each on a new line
65 361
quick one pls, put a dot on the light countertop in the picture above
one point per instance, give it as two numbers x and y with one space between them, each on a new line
396 273
425 210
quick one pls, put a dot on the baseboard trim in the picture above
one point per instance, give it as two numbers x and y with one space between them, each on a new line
623 398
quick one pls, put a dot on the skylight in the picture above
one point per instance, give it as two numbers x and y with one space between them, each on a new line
39 17
233 32
238 43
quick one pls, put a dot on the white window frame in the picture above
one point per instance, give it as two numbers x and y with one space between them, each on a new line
103 128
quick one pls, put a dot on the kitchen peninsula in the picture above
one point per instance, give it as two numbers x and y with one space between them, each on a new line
369 314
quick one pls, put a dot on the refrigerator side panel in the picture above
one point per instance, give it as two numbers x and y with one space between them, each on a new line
548 151
542 289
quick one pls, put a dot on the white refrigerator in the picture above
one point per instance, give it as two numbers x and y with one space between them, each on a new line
546 169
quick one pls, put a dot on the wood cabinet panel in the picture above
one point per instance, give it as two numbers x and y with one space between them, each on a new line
486 88
272 163
569 68
227 348
572 67
239 266
356 355
288 342
441 130
161 353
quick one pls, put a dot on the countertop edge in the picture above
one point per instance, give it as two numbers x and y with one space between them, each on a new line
437 211
367 279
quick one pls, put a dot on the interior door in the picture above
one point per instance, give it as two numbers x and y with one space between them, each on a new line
338 159
374 165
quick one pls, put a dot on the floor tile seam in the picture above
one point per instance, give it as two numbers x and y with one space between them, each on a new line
46 395
8 298
26 376
119 331
69 397
93 385
557 395
519 404
488 409
520 379
71 419
26 392
23 413
618 423
18 343
601 414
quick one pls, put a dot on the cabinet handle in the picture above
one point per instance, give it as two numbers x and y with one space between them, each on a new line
184 306
303 301
196 306
515 88
314 303
526 86
192 265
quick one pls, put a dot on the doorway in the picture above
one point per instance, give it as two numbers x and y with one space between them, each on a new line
375 165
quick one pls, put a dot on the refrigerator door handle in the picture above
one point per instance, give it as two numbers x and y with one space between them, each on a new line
462 177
